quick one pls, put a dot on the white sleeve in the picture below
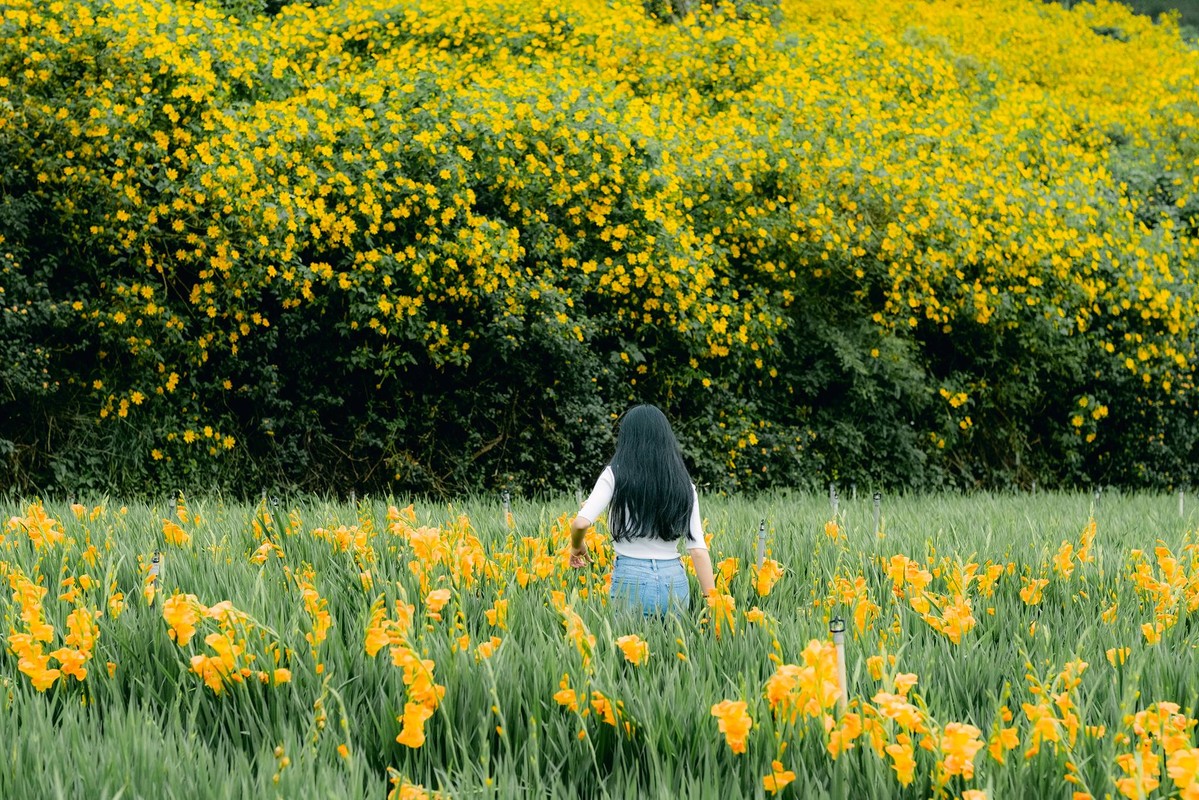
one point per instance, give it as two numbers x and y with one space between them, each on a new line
600 496
695 541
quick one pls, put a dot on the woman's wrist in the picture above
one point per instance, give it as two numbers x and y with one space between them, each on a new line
576 535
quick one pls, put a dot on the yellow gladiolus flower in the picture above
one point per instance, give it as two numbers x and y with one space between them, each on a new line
635 649
734 722
1032 591
181 613
1003 740
778 778
722 606
565 696
959 744
174 533
413 720
903 759
1116 656
766 577
435 601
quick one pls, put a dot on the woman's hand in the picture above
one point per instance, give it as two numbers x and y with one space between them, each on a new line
579 557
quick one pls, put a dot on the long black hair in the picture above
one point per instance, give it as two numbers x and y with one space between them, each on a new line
652 496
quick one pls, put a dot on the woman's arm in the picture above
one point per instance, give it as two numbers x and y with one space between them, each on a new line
595 504
703 568
578 549
700 559
578 527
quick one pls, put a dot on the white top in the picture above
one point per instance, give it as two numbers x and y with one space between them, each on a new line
642 547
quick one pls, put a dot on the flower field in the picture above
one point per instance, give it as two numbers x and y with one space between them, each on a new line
996 646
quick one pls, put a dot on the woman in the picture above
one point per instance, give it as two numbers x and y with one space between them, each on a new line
652 504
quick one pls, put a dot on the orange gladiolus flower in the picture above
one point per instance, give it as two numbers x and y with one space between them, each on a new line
766 577
734 722
174 534
604 708
726 570
842 737
497 615
722 606
487 649
435 601
959 744
43 529
71 662
778 778
896 707
1183 768
83 630
1003 740
635 649
566 696
181 612
903 759
1033 589
413 732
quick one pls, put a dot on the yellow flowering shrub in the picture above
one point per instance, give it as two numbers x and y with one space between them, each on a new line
325 243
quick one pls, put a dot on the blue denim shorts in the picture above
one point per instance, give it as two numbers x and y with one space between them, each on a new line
656 586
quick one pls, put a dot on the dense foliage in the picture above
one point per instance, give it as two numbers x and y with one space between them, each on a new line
439 246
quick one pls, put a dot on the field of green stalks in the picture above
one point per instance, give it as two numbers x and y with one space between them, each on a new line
1034 645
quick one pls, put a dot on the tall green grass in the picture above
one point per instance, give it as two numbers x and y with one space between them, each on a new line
153 729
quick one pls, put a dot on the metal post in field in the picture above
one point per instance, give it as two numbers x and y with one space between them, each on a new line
878 513
832 497
506 498
836 627
761 544
153 579
1181 504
